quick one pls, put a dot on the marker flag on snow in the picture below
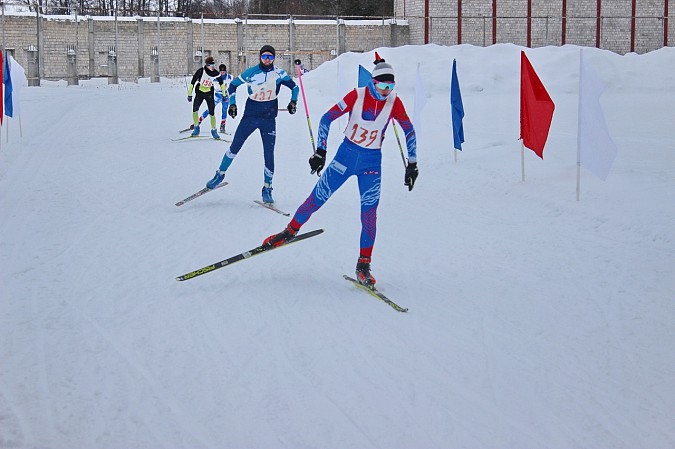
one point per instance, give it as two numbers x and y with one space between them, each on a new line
597 150
7 81
457 109
536 108
364 76
18 79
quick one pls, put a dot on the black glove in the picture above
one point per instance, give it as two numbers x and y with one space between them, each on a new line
317 161
411 173
232 110
291 107
190 98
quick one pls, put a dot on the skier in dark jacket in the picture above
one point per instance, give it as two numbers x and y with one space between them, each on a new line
221 98
203 80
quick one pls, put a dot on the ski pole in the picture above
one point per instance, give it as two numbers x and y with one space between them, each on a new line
399 143
304 102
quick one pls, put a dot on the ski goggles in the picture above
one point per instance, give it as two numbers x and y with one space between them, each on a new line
267 57
384 85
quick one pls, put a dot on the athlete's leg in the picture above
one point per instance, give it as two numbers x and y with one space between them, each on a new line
199 98
245 128
337 172
369 173
268 134
369 189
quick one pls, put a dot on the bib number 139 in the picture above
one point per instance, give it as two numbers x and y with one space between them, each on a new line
360 135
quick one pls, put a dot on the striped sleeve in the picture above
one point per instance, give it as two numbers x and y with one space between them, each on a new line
401 116
342 107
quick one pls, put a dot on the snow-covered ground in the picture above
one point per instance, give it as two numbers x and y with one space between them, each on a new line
536 321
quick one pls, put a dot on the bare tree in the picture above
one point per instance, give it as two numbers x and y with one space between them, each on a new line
214 8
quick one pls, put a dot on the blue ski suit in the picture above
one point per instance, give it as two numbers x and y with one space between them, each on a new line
264 84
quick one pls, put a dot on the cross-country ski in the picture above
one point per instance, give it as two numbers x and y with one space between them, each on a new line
200 193
376 293
187 138
271 207
245 255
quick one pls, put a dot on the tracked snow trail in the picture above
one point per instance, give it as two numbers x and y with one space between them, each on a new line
535 321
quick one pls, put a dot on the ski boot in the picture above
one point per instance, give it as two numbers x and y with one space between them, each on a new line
217 179
215 134
222 127
363 272
279 239
195 131
267 195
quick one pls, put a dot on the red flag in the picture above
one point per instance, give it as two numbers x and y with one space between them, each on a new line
536 108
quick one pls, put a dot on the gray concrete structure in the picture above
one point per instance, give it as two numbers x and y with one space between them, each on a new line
621 26
127 48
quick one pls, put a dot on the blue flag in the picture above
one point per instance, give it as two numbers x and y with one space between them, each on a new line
457 109
7 81
364 76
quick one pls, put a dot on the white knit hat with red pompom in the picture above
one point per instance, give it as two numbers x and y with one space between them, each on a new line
383 71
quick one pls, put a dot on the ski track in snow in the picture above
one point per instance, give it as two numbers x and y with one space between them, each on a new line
535 321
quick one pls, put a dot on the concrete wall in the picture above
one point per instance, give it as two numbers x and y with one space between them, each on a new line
72 47
484 22
77 47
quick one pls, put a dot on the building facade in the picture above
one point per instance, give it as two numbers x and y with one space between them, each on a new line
80 47
621 26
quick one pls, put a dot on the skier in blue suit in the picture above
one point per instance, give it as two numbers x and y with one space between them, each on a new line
264 82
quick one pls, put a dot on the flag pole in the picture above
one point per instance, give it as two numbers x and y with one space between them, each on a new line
579 134
304 102
522 160
578 181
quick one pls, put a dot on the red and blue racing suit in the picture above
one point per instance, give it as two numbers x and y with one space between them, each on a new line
359 155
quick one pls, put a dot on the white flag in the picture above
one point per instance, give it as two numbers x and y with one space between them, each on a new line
19 80
596 149
420 101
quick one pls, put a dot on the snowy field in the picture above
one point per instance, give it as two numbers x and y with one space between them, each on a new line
536 320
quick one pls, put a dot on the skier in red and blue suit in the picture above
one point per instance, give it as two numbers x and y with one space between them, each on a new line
370 109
